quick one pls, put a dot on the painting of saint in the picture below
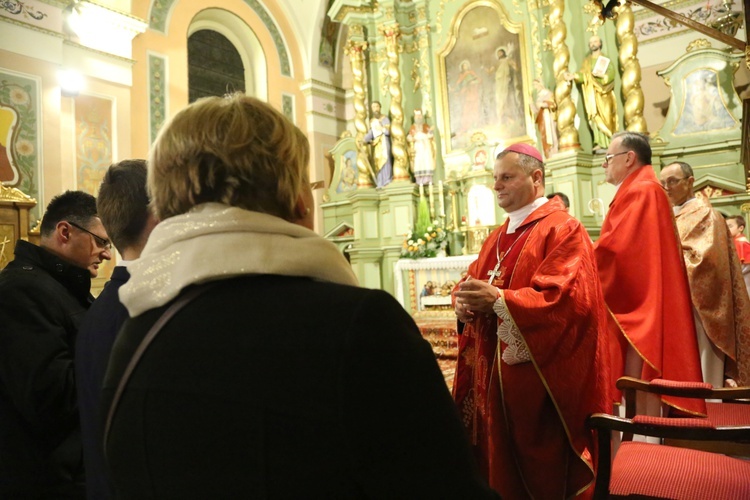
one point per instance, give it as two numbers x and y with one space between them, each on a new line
704 109
348 176
485 78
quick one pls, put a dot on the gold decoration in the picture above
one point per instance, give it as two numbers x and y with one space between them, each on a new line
398 137
745 207
535 41
700 43
355 51
12 194
566 110
632 93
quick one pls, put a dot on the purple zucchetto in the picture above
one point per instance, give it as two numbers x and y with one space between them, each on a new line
524 149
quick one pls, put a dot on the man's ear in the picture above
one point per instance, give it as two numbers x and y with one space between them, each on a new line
537 176
62 232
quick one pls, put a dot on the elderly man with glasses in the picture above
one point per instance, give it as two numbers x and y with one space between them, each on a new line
643 277
720 305
45 294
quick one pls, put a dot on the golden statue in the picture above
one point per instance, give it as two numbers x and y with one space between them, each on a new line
597 77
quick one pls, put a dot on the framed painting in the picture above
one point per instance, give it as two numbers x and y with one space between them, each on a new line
484 78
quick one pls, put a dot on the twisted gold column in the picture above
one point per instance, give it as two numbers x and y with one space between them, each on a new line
398 137
632 94
566 110
355 50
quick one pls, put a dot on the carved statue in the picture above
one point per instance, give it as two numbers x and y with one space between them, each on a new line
544 109
421 149
379 137
597 84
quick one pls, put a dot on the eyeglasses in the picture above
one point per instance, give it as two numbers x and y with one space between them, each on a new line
608 158
672 182
102 243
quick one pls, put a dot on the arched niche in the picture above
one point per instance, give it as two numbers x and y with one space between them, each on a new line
244 40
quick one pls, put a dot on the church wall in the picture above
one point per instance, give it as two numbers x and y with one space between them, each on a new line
173 46
60 149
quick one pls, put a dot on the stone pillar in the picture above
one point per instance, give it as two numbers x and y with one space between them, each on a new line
632 94
566 110
355 49
398 136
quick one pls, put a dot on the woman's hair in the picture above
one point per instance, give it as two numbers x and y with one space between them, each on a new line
235 150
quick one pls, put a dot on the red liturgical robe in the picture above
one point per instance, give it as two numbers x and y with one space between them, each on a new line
646 287
743 249
525 399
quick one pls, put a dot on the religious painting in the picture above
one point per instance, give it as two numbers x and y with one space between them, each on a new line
93 119
704 108
484 77
348 169
20 152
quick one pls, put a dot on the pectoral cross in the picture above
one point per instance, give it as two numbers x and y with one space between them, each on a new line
498 273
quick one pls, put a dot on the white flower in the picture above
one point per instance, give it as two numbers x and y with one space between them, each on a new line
18 96
24 147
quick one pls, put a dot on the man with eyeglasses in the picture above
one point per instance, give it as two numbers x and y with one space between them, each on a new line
45 294
720 305
643 277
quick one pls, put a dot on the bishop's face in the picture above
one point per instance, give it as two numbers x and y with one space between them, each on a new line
515 188
679 188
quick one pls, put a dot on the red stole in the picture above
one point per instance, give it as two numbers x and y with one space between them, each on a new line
527 421
478 343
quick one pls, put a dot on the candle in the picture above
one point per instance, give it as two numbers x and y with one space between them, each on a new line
441 199
432 201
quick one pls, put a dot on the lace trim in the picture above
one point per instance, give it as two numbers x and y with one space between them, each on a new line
507 331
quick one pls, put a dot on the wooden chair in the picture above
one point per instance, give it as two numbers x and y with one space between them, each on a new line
724 413
676 469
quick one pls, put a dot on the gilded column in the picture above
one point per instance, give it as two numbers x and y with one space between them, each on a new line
566 110
355 50
398 136
632 94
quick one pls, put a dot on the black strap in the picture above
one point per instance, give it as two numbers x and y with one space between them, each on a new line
176 306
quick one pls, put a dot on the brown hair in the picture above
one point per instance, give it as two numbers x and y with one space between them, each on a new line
236 150
122 202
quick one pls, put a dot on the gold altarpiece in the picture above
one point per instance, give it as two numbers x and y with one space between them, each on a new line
447 59
14 221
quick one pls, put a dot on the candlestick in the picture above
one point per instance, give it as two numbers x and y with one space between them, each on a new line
441 199
432 202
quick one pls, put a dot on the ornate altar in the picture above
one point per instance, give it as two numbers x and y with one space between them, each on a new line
14 221
423 287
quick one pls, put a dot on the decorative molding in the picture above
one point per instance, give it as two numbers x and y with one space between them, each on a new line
159 13
20 95
22 8
287 106
651 27
157 93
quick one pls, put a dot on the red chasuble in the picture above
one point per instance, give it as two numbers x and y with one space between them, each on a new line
646 287
524 399
743 248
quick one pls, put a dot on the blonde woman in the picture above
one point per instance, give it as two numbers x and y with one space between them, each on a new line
282 379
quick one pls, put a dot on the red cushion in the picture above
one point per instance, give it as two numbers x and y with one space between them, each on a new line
674 422
667 472
660 382
721 414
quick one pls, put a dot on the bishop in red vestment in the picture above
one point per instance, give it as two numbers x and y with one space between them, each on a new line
532 359
643 275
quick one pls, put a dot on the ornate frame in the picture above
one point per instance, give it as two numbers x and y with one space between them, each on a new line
471 28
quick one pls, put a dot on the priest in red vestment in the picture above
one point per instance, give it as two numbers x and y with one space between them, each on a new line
532 361
720 302
643 276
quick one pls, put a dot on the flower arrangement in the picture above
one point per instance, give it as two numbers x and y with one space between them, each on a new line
425 243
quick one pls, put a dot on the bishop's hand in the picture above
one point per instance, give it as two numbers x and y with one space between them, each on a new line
476 296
